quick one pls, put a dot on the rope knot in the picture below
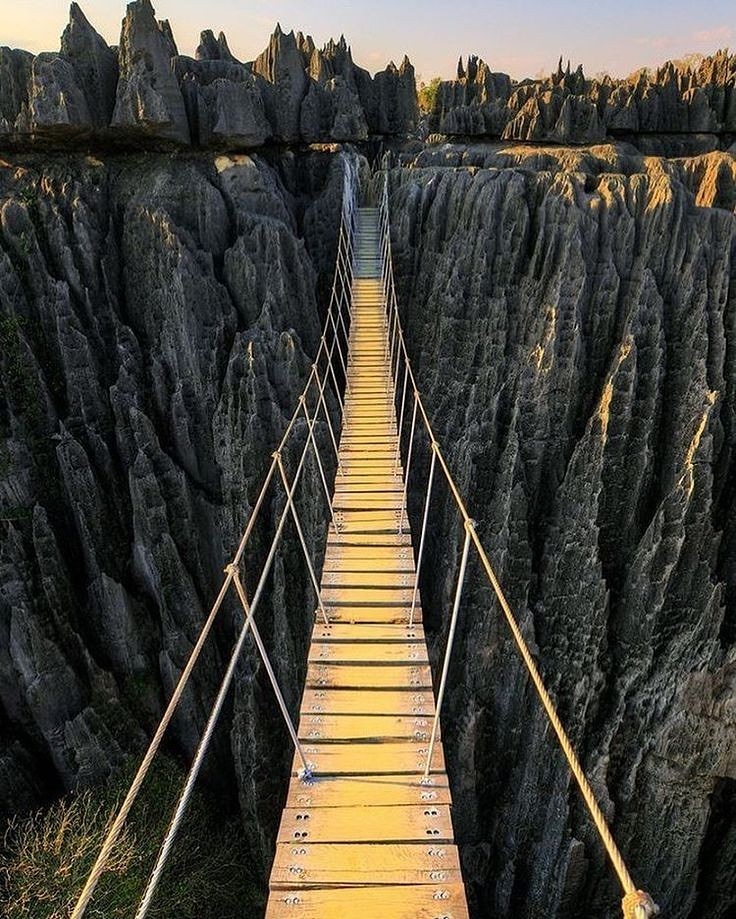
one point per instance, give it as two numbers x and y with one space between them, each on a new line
639 905
276 455
231 569
470 524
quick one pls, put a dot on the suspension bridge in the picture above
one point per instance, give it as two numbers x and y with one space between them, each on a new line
367 822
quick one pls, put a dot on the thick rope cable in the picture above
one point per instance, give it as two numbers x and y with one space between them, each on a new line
636 904
113 834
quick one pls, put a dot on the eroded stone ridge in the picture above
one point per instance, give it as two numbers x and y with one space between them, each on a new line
145 93
567 107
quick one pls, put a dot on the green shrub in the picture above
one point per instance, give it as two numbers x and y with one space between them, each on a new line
428 93
47 857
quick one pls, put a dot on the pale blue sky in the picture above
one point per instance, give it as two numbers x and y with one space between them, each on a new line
519 38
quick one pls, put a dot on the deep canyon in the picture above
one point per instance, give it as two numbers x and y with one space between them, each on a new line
565 255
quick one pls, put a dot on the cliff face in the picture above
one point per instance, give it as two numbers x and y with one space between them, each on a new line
697 105
156 319
571 319
144 93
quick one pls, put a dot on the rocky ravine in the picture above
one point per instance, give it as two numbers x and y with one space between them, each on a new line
157 315
572 316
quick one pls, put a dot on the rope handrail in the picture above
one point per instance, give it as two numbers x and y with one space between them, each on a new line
636 904
342 282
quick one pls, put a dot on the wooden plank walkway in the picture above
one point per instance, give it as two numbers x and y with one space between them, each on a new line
366 836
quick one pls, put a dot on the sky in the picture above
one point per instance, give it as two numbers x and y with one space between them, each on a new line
521 38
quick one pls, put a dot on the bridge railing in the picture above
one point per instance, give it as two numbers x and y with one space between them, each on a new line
324 384
636 904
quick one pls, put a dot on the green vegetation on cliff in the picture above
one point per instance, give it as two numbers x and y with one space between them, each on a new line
47 855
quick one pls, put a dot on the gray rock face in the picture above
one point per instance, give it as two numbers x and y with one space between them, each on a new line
148 100
146 94
568 108
157 315
214 49
570 315
282 67
56 103
396 99
94 63
15 75
224 103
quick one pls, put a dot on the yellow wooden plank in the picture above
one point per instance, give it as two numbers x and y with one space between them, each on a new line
364 502
372 613
407 902
382 595
405 823
363 652
347 790
355 864
369 539
336 632
378 578
369 675
339 564
389 758
367 702
364 728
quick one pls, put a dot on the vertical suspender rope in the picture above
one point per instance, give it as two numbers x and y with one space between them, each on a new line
422 539
407 471
300 533
448 649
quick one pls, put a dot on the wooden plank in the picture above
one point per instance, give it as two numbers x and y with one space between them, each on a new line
379 578
346 790
364 728
390 758
373 613
380 595
340 564
369 632
406 823
367 702
363 652
368 675
362 864
425 901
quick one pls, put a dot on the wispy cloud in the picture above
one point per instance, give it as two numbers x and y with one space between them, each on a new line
658 42
714 36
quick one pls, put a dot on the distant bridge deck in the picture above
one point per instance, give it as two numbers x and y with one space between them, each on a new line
367 837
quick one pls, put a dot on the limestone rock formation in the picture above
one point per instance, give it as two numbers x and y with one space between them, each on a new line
156 322
224 103
15 77
569 108
282 67
214 49
570 318
395 96
148 102
145 94
94 63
